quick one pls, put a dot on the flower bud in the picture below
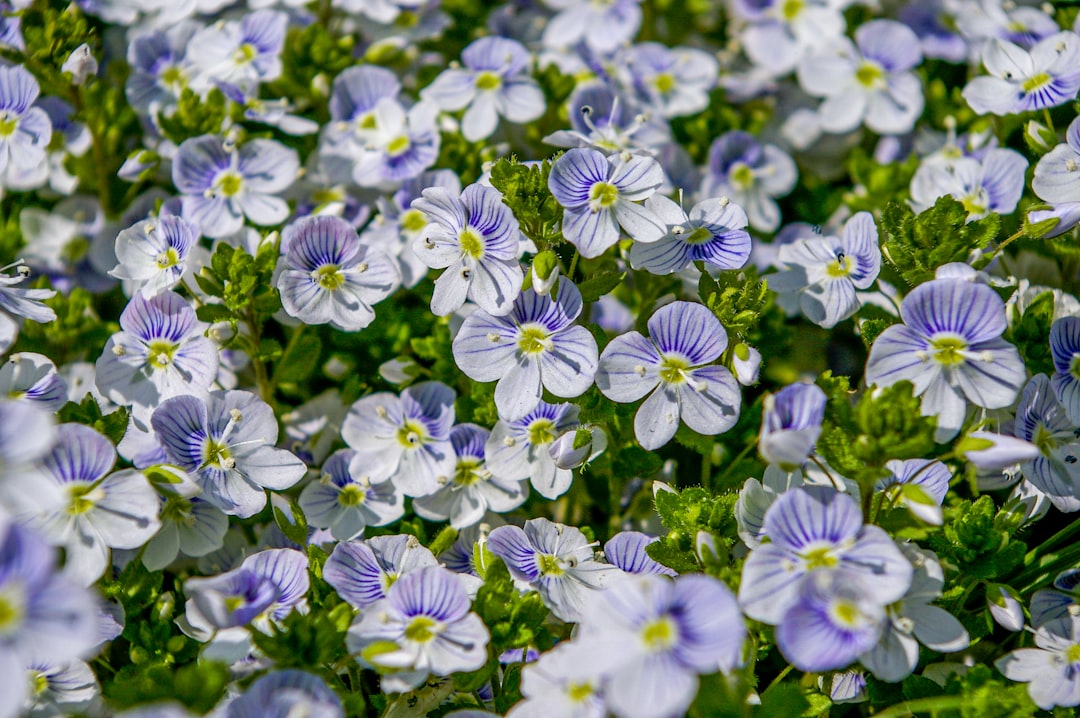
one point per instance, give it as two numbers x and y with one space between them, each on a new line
746 363
545 270
989 451
136 164
578 447
1005 607
81 63
1039 137
400 370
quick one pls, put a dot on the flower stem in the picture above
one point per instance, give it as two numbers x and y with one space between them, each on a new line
933 704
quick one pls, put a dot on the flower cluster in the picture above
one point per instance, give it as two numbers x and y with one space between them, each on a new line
622 357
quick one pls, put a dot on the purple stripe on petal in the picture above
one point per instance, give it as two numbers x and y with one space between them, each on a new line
80 454
432 591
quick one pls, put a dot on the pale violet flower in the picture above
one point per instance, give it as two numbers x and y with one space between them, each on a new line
750 174
362 572
674 367
1020 80
472 490
556 560
561 683
286 694
475 238
627 550
1057 181
17 303
75 502
1052 669
27 376
426 616
494 82
869 81
950 348
152 255
346 505
913 620
825 272
222 184
657 636
993 184
714 232
399 145
779 34
602 26
225 441
818 530
521 448
600 195
330 277
1043 421
244 53
1065 350
536 346
159 353
791 424
932 479
406 438
673 81
25 130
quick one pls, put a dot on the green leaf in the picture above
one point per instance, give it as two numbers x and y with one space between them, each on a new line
294 526
113 425
738 299
199 686
212 313
917 245
300 359
783 699
194 115
596 287
1031 332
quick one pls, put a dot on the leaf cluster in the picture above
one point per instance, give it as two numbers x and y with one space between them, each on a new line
311 57
916 245
977 538
525 191
738 299
88 412
879 183
194 115
77 332
1029 335
242 282
685 514
857 439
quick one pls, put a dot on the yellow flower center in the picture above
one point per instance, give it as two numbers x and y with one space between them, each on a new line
488 81
660 634
229 184
949 351
533 339
846 613
411 434
791 9
603 195
407 18
578 692
218 455
413 221
329 277
466 473
244 54
819 558
173 77
741 176
351 495
160 353
541 432
39 682
664 82
82 498
975 203
470 243
1044 439
839 267
1072 653
178 511
1034 83
1074 366
12 607
421 629
398 146
8 123
168 258
550 565
699 235
673 370
870 74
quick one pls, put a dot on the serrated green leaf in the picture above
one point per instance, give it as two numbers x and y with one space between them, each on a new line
596 287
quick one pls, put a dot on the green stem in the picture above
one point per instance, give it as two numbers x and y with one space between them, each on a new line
1045 547
1001 247
932 704
293 341
735 462
1049 121
573 266
776 681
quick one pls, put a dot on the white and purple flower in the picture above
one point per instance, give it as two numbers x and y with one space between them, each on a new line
1046 76
601 196
536 346
714 232
475 237
750 174
675 368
